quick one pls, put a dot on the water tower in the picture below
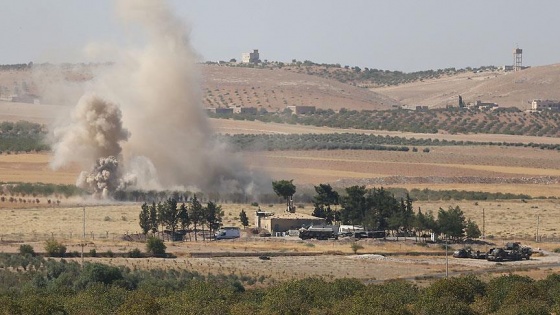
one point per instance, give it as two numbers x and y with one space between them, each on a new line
517 59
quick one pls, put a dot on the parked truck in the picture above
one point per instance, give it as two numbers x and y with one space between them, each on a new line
228 232
319 232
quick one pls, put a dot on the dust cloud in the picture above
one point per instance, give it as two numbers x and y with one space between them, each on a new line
141 123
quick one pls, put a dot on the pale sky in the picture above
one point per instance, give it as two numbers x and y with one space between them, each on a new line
406 35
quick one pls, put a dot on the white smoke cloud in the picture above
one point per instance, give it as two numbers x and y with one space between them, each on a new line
154 92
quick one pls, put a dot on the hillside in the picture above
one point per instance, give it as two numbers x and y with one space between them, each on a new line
508 89
275 89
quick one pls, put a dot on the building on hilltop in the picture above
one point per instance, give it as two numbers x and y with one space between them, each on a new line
301 110
250 57
540 105
482 105
220 111
245 110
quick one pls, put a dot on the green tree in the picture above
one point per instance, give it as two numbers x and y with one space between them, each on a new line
214 214
26 249
96 272
451 222
170 216
54 248
353 205
472 229
154 220
155 247
243 218
196 215
286 189
144 219
325 197
184 219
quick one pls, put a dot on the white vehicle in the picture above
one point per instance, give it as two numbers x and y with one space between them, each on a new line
228 232
350 229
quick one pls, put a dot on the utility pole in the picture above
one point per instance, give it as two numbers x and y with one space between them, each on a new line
84 234
446 260
538 222
483 225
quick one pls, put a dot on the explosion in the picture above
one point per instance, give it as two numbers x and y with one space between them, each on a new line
154 92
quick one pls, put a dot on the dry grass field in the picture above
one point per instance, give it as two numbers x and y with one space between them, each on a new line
290 257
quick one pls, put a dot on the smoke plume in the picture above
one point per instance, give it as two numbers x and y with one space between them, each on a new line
142 122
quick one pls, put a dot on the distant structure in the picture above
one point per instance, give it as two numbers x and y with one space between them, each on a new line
482 105
517 59
301 110
220 111
245 110
540 105
251 57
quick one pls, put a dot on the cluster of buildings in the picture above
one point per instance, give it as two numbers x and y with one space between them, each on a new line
542 105
296 110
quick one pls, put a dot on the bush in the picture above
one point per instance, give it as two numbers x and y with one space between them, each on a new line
26 249
356 247
135 253
54 248
93 253
155 247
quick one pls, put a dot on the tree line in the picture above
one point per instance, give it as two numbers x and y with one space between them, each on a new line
169 217
379 209
354 141
454 121
24 136
49 286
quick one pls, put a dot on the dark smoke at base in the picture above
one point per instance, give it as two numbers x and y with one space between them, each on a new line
169 144
104 179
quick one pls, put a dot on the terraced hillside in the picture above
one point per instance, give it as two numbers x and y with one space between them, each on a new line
275 89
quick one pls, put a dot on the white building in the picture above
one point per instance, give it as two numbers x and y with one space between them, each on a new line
252 57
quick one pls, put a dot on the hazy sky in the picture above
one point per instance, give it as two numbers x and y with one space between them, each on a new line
405 35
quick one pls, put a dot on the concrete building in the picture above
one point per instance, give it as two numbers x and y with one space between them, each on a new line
252 57
220 110
282 222
245 110
539 105
301 110
482 105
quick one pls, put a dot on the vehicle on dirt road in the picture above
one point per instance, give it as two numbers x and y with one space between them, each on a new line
511 252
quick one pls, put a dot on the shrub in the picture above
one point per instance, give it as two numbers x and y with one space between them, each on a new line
93 252
135 253
356 247
54 248
26 249
155 247
109 253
